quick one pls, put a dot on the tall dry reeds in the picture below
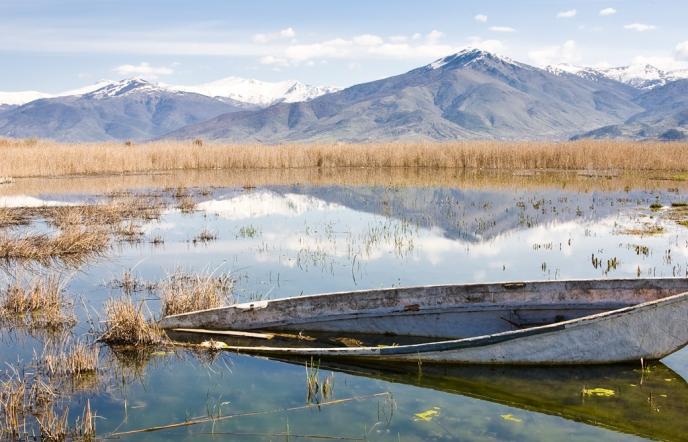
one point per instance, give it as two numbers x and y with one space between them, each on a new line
72 245
39 304
126 324
182 292
46 158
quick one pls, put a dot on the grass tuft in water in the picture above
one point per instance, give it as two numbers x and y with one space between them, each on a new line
125 324
183 293
41 304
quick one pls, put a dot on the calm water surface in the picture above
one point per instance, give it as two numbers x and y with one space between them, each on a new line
288 240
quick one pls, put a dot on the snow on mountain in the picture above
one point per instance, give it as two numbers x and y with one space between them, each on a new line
23 97
86 89
19 98
469 56
640 76
258 92
125 87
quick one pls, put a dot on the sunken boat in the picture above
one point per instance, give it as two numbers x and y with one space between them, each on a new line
571 322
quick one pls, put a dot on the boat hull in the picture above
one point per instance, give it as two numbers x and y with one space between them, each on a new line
648 331
623 333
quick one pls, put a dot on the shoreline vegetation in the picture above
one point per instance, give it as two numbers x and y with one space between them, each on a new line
39 158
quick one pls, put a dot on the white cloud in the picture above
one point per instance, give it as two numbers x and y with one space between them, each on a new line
480 18
143 70
434 36
607 12
398 38
565 53
640 27
662 62
368 40
567 14
273 36
501 29
337 48
682 50
272 60
489 45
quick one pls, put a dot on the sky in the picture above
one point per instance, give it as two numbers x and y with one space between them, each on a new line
56 45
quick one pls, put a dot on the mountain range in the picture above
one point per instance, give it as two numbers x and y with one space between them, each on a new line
472 94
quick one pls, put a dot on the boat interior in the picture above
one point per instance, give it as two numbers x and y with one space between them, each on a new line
392 317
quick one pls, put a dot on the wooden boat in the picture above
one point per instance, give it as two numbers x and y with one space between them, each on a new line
542 322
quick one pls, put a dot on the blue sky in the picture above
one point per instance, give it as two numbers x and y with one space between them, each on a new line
55 45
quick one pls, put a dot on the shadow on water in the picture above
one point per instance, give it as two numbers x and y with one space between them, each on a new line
650 402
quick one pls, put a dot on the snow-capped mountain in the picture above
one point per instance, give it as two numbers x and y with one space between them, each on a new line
640 76
235 89
133 109
261 93
470 56
21 97
472 94
124 87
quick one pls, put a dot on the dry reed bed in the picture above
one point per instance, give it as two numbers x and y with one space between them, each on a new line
183 293
416 177
39 304
46 158
126 325
27 410
71 246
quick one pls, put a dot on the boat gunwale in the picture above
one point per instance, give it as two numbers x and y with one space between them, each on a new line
248 306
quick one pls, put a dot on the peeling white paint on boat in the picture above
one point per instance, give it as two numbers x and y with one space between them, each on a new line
546 322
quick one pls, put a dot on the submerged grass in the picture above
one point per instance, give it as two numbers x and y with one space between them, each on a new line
46 158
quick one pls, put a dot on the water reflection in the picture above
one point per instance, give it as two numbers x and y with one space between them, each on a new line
291 239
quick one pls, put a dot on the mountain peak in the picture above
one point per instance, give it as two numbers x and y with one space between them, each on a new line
123 87
467 57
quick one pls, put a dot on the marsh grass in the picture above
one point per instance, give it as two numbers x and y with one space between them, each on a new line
183 292
40 304
204 236
126 324
46 158
186 204
73 245
68 358
10 217
28 406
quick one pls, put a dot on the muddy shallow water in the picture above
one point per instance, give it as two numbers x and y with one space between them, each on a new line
288 239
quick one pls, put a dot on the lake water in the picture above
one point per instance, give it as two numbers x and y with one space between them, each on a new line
290 239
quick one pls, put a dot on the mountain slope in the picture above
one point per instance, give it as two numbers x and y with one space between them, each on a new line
643 76
471 94
130 109
664 116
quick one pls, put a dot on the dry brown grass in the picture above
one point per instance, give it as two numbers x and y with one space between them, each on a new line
45 158
126 324
41 304
69 358
27 409
10 217
72 245
182 293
